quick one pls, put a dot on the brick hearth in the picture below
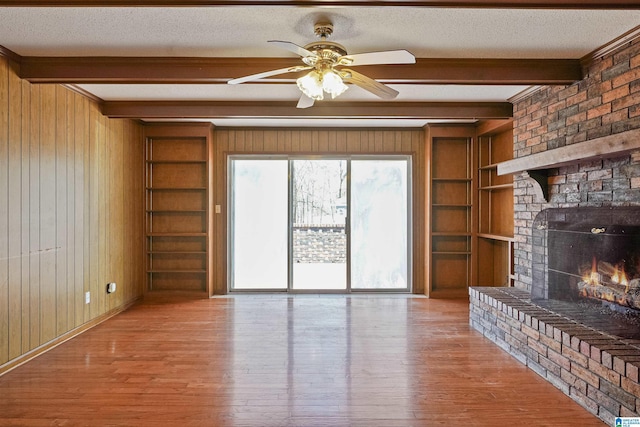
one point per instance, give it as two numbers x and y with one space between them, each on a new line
599 371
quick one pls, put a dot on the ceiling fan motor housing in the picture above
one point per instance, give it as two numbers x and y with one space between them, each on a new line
325 51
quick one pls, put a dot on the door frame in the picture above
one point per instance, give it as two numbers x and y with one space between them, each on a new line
333 156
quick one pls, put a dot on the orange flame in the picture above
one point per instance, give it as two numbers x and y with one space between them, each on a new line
592 278
620 277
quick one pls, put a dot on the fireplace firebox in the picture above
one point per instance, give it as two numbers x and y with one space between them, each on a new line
586 266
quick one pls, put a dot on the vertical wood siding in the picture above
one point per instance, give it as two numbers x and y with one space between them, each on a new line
71 212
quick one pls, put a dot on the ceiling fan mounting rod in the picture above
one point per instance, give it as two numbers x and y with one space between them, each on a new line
323 29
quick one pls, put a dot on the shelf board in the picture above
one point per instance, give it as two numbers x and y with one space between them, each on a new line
490 236
450 205
159 234
496 187
176 188
176 211
491 166
176 252
451 253
175 161
451 234
176 271
451 179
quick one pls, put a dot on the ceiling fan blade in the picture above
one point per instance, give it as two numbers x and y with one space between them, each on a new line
267 74
385 57
368 84
305 102
293 48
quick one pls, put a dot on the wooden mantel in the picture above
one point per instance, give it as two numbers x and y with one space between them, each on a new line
537 165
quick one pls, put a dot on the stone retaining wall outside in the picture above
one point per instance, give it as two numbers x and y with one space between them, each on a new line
325 244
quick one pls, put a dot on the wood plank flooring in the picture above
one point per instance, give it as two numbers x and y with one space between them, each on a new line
277 360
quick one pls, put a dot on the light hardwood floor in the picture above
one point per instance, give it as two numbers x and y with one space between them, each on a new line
257 360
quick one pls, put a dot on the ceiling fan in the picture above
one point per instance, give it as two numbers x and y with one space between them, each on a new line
327 60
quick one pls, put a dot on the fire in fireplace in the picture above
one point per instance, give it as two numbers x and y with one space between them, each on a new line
585 259
602 280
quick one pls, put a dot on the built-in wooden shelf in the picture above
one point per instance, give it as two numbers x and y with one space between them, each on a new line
451 206
178 206
494 241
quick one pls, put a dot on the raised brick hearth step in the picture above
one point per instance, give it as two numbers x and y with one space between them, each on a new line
597 370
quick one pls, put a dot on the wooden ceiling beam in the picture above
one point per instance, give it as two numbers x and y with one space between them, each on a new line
529 4
220 70
287 109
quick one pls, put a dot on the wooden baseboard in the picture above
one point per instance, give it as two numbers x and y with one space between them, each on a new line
173 295
450 294
22 359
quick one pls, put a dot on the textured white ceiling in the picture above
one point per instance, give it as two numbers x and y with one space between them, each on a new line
244 31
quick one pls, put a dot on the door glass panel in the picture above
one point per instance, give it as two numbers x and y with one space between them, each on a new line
379 224
319 208
259 224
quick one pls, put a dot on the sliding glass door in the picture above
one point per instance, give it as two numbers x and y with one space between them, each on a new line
319 211
319 224
379 224
259 224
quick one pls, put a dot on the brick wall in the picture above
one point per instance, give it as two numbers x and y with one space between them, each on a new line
605 102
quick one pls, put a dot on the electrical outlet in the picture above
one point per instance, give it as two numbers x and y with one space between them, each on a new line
87 297
111 287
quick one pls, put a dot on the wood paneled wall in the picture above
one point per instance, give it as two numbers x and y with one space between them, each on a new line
314 141
71 214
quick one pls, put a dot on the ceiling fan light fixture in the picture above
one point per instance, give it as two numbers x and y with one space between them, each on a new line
316 83
311 85
332 84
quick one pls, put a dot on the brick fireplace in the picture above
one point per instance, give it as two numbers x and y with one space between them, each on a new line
594 366
586 266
